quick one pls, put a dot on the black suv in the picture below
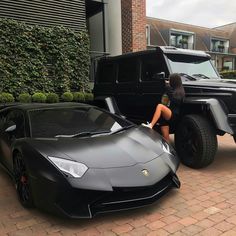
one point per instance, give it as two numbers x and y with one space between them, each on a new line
132 85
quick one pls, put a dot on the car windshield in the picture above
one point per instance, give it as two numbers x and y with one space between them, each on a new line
74 122
196 66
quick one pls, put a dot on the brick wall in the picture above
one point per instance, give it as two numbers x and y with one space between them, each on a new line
133 25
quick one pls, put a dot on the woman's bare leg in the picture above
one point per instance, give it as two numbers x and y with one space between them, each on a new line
161 110
165 130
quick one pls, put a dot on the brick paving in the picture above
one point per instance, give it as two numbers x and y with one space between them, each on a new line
205 205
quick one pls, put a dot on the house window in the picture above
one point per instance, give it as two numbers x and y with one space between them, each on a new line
219 45
182 40
173 40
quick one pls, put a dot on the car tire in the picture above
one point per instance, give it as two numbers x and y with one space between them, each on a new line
195 141
22 181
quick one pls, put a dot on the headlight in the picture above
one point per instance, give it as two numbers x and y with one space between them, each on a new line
73 168
166 147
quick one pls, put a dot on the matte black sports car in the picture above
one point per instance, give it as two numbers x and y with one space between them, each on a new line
77 160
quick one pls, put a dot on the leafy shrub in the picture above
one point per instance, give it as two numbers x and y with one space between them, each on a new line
78 97
36 58
25 98
228 74
39 97
6 97
52 98
88 97
67 97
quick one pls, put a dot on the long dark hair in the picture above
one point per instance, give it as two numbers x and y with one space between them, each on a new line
176 84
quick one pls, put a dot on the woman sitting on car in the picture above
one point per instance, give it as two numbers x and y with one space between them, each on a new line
167 114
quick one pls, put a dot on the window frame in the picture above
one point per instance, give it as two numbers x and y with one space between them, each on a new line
142 62
112 75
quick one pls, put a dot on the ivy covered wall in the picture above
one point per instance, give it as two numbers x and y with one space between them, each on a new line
48 59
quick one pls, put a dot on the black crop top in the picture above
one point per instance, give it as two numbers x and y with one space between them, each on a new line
175 102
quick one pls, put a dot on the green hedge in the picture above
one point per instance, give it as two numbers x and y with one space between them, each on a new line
42 97
52 98
39 97
6 97
67 97
25 98
228 74
78 97
36 58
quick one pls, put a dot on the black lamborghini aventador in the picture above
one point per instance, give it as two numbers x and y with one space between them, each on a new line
77 160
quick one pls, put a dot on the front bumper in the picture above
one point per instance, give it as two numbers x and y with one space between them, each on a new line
64 200
128 198
104 190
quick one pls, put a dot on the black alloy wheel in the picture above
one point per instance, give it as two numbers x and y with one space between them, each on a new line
195 141
22 182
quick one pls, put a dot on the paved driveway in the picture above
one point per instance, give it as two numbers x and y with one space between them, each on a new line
205 205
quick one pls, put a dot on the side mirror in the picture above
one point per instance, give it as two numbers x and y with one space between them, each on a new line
161 75
11 126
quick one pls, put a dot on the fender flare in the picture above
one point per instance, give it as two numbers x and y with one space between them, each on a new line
217 112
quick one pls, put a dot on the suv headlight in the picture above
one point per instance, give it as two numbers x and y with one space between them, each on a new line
73 168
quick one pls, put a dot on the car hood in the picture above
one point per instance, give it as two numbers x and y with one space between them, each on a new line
136 145
216 83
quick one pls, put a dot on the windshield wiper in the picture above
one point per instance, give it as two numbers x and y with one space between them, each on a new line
122 129
81 134
188 76
93 133
202 76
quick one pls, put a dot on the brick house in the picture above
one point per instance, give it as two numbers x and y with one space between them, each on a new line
219 42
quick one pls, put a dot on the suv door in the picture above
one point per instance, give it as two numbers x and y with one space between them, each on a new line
151 84
105 79
126 86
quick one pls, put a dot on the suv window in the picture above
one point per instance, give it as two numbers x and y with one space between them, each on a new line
127 70
18 118
106 73
152 65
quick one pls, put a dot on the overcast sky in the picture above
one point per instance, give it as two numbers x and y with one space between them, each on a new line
208 13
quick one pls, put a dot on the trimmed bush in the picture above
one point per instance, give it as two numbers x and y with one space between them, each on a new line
6 97
25 98
228 74
78 97
52 98
88 97
39 97
67 97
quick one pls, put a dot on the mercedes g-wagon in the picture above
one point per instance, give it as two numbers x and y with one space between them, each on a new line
132 85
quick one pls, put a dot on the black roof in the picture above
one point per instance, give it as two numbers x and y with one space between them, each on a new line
161 49
131 54
31 106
